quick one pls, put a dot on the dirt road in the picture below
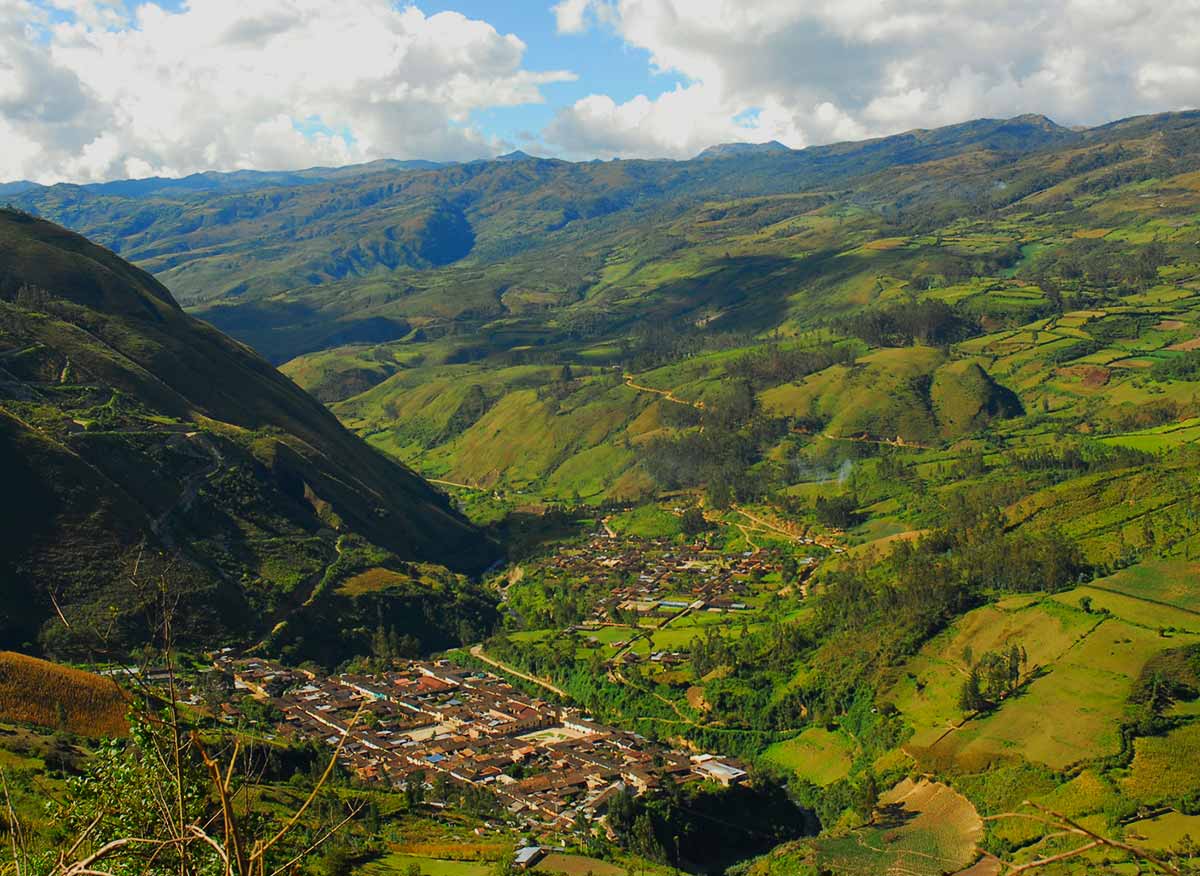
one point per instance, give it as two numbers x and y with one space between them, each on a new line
477 652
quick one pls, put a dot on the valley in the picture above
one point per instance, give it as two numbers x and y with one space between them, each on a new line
863 474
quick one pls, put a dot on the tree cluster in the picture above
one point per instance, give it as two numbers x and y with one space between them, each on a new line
927 322
773 365
994 676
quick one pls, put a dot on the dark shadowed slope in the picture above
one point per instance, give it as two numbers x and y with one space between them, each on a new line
128 428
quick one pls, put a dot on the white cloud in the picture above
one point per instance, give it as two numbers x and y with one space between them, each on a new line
230 84
569 15
822 70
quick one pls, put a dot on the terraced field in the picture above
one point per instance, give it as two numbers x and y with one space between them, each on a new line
920 829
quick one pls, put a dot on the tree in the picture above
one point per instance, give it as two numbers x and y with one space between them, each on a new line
1160 695
719 493
644 841
414 789
839 512
692 523
868 795
970 698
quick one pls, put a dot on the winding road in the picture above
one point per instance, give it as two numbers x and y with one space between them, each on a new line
478 653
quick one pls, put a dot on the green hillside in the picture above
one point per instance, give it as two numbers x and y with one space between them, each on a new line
872 465
142 445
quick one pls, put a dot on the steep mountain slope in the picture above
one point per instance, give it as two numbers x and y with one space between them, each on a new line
136 435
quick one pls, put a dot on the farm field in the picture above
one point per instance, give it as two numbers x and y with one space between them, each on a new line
922 828
577 865
816 754
1165 767
60 698
400 865
1164 832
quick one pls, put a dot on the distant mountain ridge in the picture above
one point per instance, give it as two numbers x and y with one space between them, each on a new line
297 263
737 150
225 181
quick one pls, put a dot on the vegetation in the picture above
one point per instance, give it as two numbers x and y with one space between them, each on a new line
941 391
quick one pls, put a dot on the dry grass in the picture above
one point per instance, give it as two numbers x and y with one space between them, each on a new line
371 581
38 692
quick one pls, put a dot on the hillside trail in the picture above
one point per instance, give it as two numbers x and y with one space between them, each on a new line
191 486
303 594
883 442
668 394
750 542
619 677
762 524
478 653
452 484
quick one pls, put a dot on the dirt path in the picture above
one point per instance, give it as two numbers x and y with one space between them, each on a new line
668 394
452 484
616 675
302 595
749 538
761 523
886 442
477 652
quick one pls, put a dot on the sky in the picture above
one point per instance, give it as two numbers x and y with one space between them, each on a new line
93 90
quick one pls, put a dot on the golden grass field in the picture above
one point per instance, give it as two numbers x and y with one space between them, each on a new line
58 697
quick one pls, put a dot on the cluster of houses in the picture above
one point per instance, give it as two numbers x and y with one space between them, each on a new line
658 576
546 764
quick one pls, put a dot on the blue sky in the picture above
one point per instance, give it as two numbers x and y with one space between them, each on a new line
601 59
105 89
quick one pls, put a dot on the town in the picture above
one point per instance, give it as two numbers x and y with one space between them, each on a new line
642 600
547 765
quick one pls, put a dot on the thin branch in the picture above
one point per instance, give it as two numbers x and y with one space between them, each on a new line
69 853
319 842
116 845
1053 859
1065 826
62 617
262 849
230 821
205 838
14 827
